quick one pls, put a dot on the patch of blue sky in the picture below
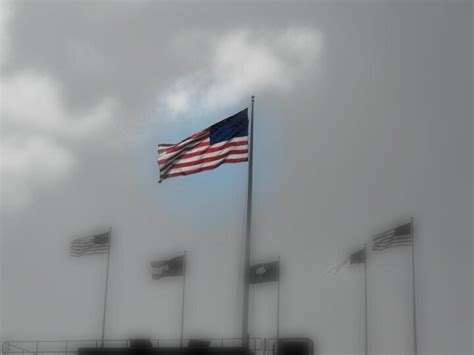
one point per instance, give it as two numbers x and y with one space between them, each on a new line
223 190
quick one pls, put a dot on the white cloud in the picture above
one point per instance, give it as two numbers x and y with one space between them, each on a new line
241 63
35 128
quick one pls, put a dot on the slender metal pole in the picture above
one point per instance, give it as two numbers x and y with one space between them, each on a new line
104 318
278 304
247 245
183 300
366 334
415 335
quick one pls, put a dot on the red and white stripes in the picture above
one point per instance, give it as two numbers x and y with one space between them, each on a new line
195 154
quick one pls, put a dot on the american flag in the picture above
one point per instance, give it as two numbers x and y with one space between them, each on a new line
359 257
96 244
399 236
221 143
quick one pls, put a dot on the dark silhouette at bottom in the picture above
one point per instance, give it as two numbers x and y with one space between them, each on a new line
290 346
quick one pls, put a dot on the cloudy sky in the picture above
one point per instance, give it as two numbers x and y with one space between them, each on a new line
363 118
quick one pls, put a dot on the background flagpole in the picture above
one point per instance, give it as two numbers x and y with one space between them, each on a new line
278 304
104 317
415 335
183 299
247 245
366 334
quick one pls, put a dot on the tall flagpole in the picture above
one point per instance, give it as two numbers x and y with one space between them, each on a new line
366 334
183 299
415 335
104 317
278 304
247 245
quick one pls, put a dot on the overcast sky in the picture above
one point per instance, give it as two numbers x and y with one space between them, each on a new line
363 118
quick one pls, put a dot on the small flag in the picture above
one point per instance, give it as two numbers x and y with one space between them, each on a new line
168 268
225 142
399 236
97 244
268 272
358 257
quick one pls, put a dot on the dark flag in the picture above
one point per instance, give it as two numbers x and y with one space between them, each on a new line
399 236
225 142
268 272
168 268
96 244
358 257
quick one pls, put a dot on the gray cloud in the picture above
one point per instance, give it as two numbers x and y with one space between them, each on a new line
36 124
34 154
